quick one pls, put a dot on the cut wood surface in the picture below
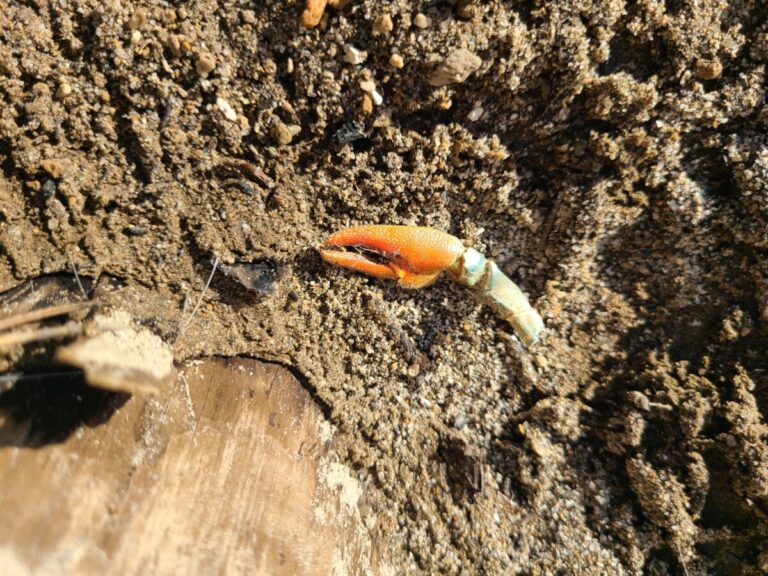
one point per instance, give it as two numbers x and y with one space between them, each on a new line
232 473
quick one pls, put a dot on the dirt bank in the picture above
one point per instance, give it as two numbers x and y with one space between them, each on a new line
612 157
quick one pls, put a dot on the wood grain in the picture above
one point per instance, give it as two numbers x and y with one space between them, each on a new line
231 474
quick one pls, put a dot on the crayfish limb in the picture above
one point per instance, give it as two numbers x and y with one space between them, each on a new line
494 288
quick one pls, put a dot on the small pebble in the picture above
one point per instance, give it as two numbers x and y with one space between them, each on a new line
421 21
708 69
226 109
368 86
313 13
63 90
54 168
205 64
295 129
350 132
541 361
41 89
396 61
282 134
354 56
134 230
173 43
366 106
137 19
383 25
48 189
456 68
475 114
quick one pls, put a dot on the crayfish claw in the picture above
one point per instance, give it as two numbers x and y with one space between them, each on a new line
413 255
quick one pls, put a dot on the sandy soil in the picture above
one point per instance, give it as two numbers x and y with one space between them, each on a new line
611 156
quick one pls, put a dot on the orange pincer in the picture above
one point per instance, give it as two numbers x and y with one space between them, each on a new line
413 255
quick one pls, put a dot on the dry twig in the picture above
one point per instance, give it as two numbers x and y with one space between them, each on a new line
42 314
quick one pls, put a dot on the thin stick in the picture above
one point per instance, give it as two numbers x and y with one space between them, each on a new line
25 336
42 314
202 295
77 278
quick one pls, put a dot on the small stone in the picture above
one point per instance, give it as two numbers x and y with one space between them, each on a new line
383 25
396 61
226 109
135 37
282 134
313 13
173 43
289 67
63 90
708 69
48 189
456 68
295 129
135 230
350 132
421 21
104 96
413 370
55 168
541 361
205 64
137 19
475 114
367 86
366 105
354 56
